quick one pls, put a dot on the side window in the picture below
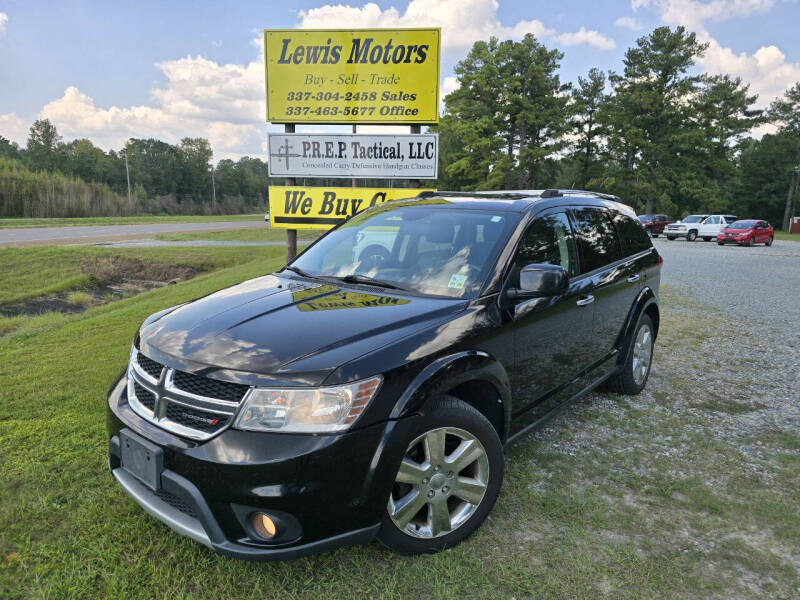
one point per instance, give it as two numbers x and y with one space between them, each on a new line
548 240
597 238
634 237
712 221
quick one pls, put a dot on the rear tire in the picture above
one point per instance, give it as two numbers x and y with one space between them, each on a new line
706 239
769 241
720 243
636 370
431 480
655 235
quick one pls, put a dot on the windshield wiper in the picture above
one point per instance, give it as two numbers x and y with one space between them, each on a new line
297 270
366 280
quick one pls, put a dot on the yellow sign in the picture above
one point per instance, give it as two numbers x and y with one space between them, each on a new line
325 207
352 76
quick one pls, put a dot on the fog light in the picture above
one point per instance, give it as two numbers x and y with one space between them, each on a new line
263 525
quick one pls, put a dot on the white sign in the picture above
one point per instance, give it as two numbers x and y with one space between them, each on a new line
353 155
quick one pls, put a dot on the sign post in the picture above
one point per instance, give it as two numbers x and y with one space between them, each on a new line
291 234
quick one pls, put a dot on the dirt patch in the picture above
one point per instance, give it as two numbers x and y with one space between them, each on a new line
115 269
113 277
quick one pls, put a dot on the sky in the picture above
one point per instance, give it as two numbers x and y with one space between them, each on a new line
109 71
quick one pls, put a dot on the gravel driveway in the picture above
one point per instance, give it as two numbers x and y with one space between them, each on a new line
758 284
699 475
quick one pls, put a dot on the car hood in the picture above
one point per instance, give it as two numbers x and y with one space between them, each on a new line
279 329
730 230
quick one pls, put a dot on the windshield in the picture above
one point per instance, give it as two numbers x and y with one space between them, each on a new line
694 218
645 218
425 248
741 225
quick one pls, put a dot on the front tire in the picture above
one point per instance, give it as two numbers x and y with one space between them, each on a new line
671 238
447 482
691 236
751 241
636 370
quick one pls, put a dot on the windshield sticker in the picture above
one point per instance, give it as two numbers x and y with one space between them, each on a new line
457 281
496 219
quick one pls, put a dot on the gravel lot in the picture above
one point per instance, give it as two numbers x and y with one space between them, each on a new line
701 469
758 284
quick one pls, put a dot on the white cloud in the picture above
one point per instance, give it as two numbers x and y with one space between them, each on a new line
462 22
3 21
628 23
449 84
766 70
224 103
12 127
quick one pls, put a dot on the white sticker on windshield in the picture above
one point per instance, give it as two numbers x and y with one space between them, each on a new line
496 219
457 281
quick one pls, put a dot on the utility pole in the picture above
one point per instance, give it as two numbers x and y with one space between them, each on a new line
291 234
213 190
354 181
127 175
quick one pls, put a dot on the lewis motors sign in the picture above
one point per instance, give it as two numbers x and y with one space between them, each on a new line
353 155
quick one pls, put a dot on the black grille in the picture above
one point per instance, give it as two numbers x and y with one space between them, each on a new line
176 502
211 388
196 419
149 366
145 397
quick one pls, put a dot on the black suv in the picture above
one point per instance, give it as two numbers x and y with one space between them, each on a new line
356 393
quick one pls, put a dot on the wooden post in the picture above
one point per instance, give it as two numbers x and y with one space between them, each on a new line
354 181
414 183
291 234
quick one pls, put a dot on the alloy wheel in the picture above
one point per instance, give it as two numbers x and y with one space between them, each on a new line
642 354
440 483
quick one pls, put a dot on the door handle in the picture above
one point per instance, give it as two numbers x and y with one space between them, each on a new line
633 278
584 300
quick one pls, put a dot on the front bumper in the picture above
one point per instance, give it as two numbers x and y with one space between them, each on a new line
332 488
675 233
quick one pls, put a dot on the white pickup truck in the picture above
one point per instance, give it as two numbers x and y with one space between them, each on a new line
694 226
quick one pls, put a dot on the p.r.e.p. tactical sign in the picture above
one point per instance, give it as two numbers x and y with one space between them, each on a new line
294 207
352 76
351 155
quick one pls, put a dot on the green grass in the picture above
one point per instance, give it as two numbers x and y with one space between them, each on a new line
140 220
787 237
621 497
80 297
42 270
259 234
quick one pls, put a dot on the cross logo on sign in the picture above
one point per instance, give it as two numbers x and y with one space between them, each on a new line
284 152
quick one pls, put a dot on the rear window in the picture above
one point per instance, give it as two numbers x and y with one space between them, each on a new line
634 237
597 238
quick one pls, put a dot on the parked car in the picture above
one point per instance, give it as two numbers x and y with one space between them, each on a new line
654 224
694 226
333 402
747 232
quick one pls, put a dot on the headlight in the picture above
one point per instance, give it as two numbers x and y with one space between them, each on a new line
306 410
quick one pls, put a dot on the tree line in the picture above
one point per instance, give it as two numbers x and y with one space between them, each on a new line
657 134
50 177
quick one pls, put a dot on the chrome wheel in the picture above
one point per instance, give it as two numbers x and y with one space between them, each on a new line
440 483
642 354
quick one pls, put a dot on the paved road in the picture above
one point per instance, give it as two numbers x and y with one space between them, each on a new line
93 233
757 285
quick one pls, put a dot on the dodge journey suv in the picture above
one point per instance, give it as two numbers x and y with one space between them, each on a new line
339 400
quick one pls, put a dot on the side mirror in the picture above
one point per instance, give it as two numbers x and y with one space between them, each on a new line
536 281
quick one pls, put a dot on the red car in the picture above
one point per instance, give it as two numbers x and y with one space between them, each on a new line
654 224
747 232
